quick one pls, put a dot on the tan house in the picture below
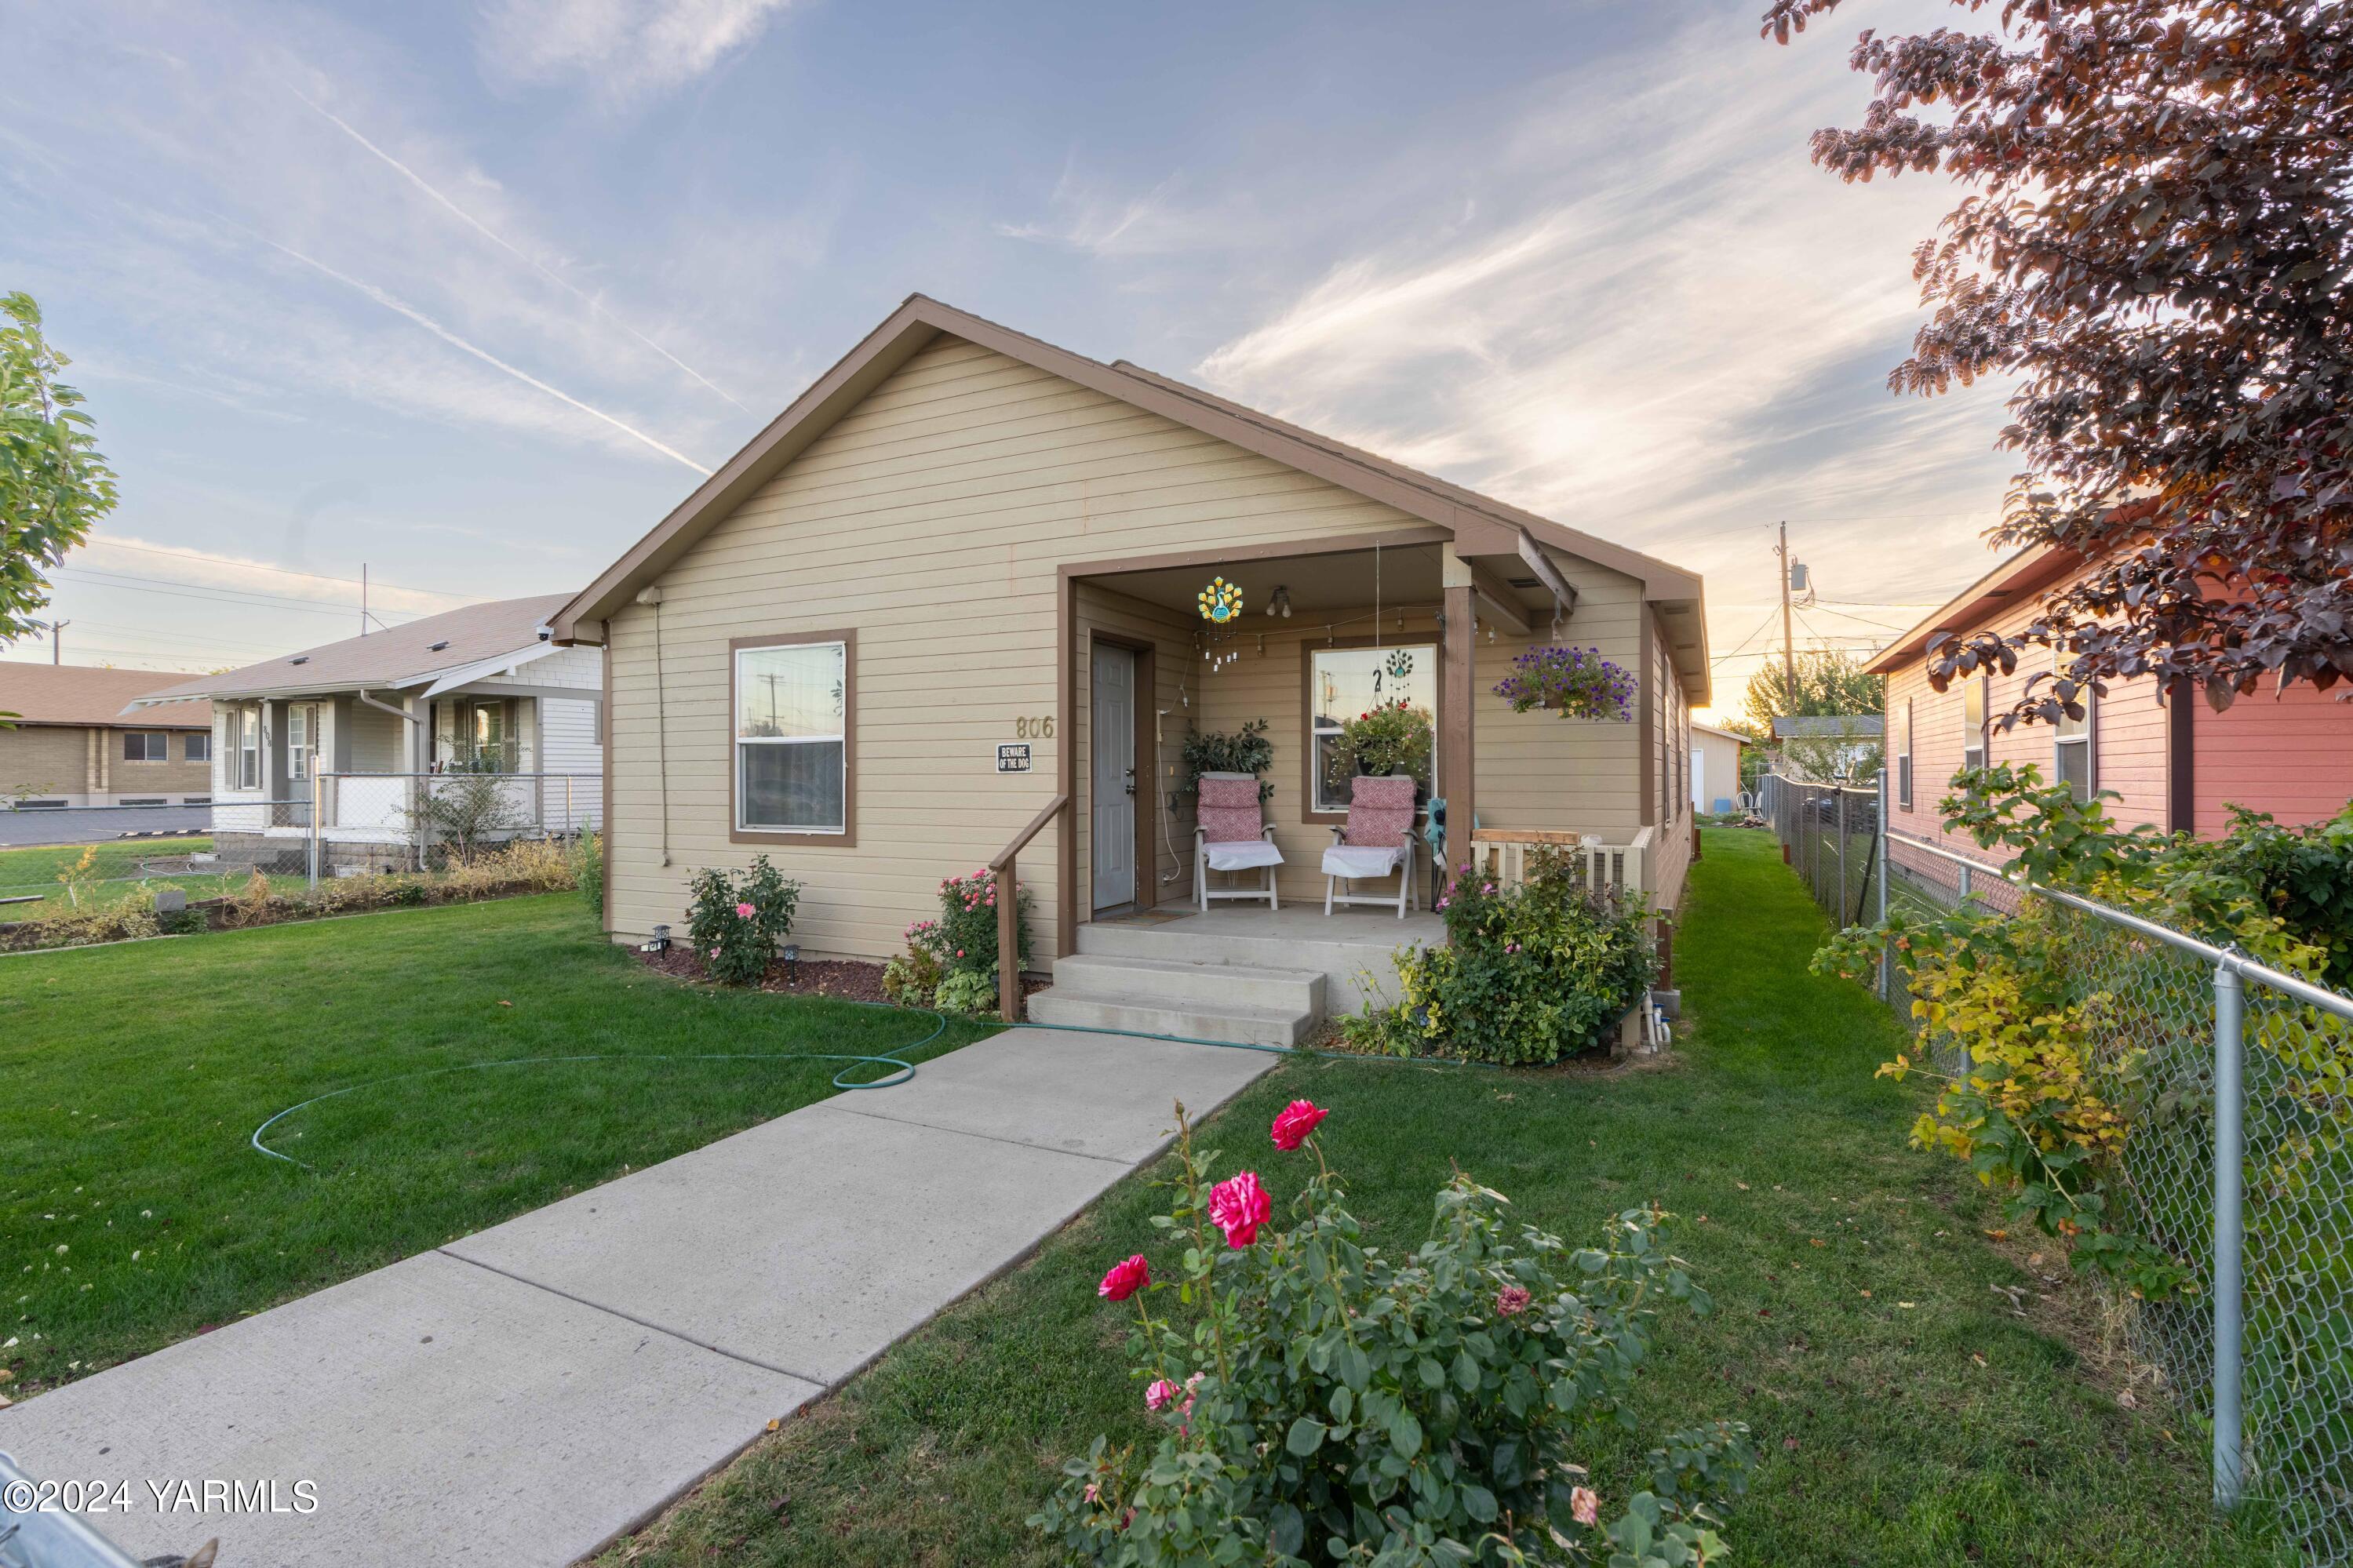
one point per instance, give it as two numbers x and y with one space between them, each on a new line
72 743
952 593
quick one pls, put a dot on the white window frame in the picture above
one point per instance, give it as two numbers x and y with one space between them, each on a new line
247 751
1903 762
844 831
1973 732
301 741
199 747
1316 808
2087 738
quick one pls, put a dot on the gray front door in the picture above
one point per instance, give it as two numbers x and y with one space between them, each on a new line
1112 741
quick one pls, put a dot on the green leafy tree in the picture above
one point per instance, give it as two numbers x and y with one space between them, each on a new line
1828 682
54 484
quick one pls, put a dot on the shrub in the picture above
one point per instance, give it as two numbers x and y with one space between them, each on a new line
964 936
910 978
1243 750
588 870
1328 1401
966 991
2055 1091
734 922
1528 973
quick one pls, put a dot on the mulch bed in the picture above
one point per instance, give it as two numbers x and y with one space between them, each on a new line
848 978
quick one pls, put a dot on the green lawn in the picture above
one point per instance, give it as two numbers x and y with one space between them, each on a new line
132 1211
1904 1413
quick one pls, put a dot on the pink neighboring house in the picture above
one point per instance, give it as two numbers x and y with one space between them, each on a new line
2174 763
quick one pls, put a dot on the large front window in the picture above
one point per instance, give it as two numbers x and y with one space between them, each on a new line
301 740
1346 688
792 737
1973 723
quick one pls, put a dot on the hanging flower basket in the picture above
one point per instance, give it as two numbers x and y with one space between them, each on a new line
1574 682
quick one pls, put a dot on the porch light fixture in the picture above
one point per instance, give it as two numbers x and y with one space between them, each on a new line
1278 601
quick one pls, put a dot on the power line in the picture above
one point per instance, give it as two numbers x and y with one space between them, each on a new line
1843 614
283 570
178 589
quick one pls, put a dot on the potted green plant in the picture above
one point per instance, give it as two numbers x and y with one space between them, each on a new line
1387 737
1243 750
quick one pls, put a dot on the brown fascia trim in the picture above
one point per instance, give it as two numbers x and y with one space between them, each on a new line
2029 571
803 839
1480 524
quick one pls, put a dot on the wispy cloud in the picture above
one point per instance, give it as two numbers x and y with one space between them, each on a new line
434 194
625 49
1088 216
392 303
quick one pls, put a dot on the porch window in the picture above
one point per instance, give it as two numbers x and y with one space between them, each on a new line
1344 683
793 709
301 741
245 740
1973 723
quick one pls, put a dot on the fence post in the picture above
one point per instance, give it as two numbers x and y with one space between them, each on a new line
318 798
2229 1154
1879 916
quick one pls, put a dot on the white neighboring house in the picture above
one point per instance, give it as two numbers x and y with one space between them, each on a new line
363 732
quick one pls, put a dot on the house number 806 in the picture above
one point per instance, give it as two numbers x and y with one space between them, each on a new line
1042 726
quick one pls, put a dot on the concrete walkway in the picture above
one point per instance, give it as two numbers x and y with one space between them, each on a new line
520 1397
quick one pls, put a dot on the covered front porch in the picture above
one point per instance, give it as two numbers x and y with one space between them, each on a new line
1326 634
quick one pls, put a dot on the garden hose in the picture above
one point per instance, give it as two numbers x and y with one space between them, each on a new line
905 1073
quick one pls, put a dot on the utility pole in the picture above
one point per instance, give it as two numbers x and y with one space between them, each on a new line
1789 650
363 598
58 641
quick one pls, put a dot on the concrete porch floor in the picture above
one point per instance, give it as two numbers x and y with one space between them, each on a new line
1351 947
1358 925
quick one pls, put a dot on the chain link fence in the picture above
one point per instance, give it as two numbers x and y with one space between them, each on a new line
2236 1084
58 862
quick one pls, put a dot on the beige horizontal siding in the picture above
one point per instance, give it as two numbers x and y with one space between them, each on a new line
931 519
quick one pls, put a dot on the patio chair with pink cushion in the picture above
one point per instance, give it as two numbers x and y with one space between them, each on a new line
1231 833
1376 842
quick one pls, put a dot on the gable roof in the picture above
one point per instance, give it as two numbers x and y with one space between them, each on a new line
1722 734
411 653
921 320
83 694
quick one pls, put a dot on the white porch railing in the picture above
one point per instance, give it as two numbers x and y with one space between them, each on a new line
1501 852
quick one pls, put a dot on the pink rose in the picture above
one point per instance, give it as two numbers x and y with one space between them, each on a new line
1238 1206
1585 1506
746 910
1125 1280
1161 1395
1298 1120
1512 1300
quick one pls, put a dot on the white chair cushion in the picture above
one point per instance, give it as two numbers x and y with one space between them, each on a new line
1241 857
1362 860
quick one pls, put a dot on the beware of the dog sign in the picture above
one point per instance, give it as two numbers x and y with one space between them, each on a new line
1012 758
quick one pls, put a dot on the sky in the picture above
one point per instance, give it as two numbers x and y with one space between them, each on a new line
469 295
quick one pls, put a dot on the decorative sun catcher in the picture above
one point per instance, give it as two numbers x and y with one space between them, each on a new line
1222 607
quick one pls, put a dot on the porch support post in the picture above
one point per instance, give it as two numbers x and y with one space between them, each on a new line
1457 766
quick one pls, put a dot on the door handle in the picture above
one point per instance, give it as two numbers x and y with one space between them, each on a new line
1131 781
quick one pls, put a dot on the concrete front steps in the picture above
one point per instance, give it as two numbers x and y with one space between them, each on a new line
1128 988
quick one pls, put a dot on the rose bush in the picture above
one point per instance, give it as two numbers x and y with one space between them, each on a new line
1325 1401
950 962
734 922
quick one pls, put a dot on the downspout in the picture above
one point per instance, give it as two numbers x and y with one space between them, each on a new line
652 598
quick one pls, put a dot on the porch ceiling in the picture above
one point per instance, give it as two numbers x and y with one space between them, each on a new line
1405 575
